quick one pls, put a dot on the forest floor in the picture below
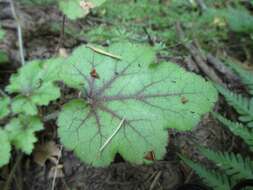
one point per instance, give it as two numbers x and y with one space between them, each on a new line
164 26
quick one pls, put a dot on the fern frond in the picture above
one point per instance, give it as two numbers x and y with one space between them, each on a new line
212 178
233 164
245 76
243 105
237 129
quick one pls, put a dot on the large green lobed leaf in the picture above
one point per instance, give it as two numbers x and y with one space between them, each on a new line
145 99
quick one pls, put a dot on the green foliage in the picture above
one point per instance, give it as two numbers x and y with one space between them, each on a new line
73 9
243 106
115 86
21 132
245 75
128 19
214 179
125 102
238 129
5 148
125 88
34 85
234 165
240 20
4 105
237 19
104 33
211 27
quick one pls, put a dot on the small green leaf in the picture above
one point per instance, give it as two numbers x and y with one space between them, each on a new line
4 105
5 148
147 99
22 104
21 132
74 9
35 84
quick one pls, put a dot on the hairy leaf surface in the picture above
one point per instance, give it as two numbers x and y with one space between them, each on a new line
4 105
21 132
118 85
34 85
74 9
5 148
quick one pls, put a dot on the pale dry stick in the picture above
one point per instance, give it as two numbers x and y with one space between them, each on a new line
103 52
55 171
114 133
20 38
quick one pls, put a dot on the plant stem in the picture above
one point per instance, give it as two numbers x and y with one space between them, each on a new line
13 170
19 30
62 34
56 167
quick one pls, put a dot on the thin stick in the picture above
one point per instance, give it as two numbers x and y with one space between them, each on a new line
158 175
55 171
62 34
12 173
20 38
103 52
114 133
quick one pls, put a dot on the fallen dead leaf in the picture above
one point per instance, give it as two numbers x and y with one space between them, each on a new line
63 52
46 151
56 172
86 5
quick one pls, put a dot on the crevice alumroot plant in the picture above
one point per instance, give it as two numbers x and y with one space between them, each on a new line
122 102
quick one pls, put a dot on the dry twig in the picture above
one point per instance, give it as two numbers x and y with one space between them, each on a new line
19 30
